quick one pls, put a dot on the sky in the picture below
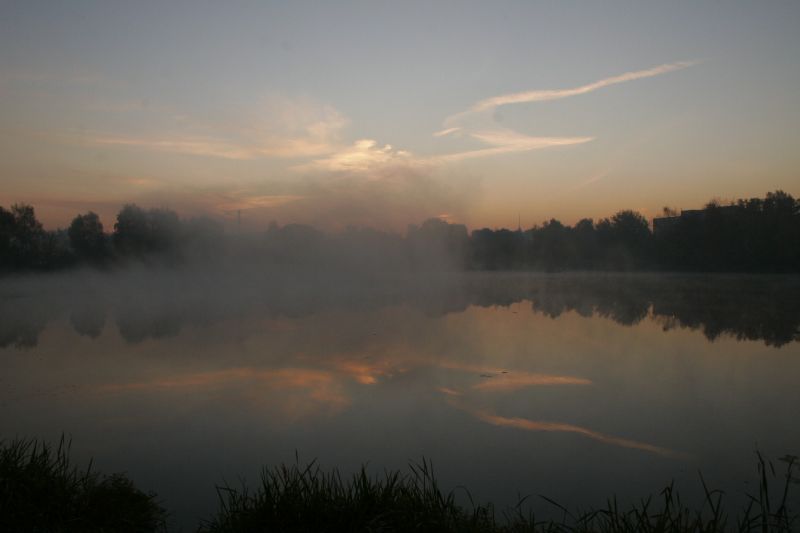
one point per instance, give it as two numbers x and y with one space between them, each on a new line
383 114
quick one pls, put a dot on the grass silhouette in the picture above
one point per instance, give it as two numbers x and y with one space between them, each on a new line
41 491
305 498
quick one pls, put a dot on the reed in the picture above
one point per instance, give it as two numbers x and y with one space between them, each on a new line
42 491
307 499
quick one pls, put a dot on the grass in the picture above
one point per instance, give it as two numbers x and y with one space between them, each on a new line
308 499
40 491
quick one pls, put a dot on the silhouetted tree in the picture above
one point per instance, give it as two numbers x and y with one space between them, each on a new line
630 236
139 233
26 237
6 236
497 250
131 231
553 247
586 243
87 238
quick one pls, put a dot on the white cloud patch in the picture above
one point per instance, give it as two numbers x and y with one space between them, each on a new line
363 156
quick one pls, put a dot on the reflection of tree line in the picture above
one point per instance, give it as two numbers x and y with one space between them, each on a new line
747 308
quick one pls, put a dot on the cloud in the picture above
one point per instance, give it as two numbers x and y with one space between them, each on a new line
509 138
256 199
245 202
278 128
256 148
545 95
326 179
297 128
301 128
364 155
594 178
208 147
507 141
446 131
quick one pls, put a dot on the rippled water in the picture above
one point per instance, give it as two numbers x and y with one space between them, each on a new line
576 387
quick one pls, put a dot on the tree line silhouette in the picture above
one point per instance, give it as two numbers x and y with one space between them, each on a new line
749 235
154 235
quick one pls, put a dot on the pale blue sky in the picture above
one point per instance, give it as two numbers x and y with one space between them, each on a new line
211 107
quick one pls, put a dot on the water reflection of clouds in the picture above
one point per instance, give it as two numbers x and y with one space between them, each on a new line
500 379
534 425
300 391
326 388
329 354
511 382
507 381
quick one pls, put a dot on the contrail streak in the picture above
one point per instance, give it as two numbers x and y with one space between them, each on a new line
541 96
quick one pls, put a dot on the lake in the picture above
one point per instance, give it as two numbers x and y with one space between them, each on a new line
572 386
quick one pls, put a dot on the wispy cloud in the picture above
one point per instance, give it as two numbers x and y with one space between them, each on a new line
278 128
245 202
506 141
296 128
556 94
446 131
209 147
594 178
514 142
267 147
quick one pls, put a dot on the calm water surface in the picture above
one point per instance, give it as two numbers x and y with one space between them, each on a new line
576 387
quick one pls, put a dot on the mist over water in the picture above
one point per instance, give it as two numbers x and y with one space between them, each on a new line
576 386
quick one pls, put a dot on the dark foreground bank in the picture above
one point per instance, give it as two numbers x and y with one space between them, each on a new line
41 491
